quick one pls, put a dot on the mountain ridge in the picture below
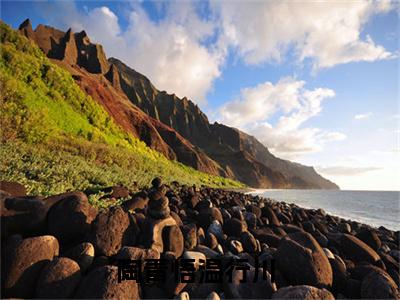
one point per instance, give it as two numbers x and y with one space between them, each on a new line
171 125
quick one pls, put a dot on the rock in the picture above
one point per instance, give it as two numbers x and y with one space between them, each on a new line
83 254
370 237
158 207
302 261
328 253
190 236
249 242
268 213
356 250
15 189
345 228
234 227
110 231
216 229
377 284
208 215
305 292
138 201
235 247
173 240
156 182
70 217
183 296
135 253
24 215
353 289
177 219
211 241
102 283
99 261
197 256
206 251
339 275
26 263
116 192
263 288
58 279
213 296
152 233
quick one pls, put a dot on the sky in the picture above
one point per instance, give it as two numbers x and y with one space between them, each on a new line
316 82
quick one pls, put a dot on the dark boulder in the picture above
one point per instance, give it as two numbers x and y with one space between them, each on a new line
70 217
25 264
356 250
102 283
377 284
370 237
83 254
304 292
173 240
234 227
110 231
302 261
58 279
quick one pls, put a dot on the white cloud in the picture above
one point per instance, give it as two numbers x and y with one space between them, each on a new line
345 170
363 116
328 33
288 138
170 51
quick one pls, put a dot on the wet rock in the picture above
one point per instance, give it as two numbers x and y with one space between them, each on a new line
302 261
345 228
102 283
237 289
356 250
15 189
70 217
213 296
58 279
370 237
173 240
234 227
110 231
83 254
26 263
305 292
377 284
339 275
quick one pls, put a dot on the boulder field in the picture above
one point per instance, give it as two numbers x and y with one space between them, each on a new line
63 247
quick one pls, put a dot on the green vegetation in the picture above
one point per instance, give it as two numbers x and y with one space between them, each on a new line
55 138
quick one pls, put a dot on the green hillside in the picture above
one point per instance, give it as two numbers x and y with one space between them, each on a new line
55 138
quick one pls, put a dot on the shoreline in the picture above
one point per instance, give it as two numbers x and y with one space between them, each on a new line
342 258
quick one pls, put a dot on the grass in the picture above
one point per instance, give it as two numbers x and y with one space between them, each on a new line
55 138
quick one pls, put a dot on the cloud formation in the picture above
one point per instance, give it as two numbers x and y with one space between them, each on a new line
295 105
363 116
328 33
185 51
345 170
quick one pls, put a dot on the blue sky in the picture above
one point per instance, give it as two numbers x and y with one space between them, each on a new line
317 83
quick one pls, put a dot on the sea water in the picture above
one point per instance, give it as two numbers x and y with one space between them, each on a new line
375 208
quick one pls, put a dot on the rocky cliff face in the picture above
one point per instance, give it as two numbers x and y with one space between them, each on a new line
173 126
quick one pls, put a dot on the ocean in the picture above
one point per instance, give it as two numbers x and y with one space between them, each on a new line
374 208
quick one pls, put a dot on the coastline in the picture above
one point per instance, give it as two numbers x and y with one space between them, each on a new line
341 257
